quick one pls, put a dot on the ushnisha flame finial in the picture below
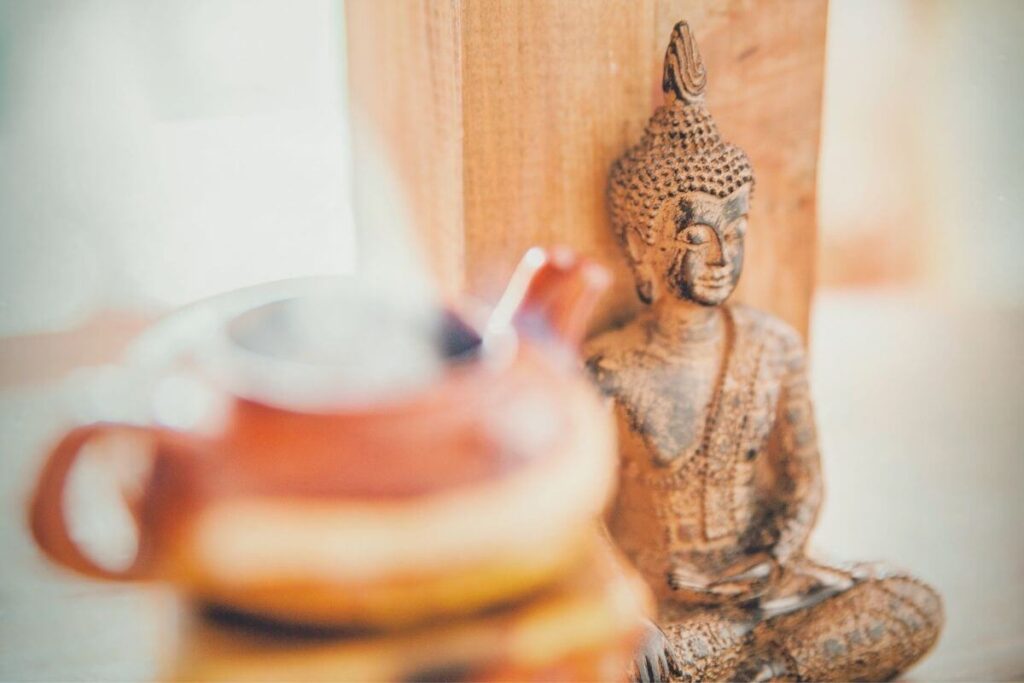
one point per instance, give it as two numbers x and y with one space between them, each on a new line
685 76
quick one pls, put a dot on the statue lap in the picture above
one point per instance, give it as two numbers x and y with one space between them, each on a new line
872 629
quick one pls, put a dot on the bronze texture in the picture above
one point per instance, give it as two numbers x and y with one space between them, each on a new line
720 479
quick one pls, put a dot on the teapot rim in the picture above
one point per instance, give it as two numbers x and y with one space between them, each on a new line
194 338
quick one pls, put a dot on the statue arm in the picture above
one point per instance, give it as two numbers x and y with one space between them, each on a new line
799 483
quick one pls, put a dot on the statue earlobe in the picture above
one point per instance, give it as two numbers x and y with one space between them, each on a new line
644 288
642 273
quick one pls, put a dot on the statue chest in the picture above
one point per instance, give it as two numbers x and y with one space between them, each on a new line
698 442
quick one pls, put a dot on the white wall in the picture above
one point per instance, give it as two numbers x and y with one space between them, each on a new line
153 152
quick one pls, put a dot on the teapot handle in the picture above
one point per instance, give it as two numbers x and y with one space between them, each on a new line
552 294
48 517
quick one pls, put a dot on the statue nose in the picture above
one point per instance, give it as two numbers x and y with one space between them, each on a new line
716 251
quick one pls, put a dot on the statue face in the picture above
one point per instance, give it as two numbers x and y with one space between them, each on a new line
698 252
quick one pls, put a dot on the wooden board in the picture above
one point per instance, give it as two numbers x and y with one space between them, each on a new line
518 108
404 89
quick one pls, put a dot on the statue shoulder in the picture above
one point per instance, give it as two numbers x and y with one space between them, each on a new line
605 356
776 333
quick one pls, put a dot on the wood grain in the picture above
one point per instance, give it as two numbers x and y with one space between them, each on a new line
517 109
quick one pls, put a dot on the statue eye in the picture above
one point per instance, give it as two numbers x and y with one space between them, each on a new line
695 235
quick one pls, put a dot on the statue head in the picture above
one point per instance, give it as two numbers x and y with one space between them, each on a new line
679 198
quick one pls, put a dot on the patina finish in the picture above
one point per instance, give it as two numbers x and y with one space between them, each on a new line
720 480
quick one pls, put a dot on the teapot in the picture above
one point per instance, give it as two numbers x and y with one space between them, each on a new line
282 500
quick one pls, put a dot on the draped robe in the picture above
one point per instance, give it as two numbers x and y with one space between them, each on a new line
749 481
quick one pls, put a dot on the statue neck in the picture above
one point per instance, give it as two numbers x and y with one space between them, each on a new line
686 321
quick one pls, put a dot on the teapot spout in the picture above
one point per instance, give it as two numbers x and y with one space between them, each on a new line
551 296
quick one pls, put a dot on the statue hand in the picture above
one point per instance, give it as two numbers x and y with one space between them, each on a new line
653 661
747 578
686 579
743 580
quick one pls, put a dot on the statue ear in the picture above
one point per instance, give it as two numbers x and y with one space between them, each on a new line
636 249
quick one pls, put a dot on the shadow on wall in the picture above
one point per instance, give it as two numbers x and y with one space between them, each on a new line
922 146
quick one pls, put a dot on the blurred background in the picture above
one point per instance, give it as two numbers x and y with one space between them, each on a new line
918 321
152 153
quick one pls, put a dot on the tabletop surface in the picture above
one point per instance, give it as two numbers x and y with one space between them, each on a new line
920 421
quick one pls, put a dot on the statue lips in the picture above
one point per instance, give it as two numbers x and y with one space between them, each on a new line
716 281
717 286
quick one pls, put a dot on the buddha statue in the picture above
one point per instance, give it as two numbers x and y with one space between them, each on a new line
720 480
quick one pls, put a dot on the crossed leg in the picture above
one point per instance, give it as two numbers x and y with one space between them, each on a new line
817 623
